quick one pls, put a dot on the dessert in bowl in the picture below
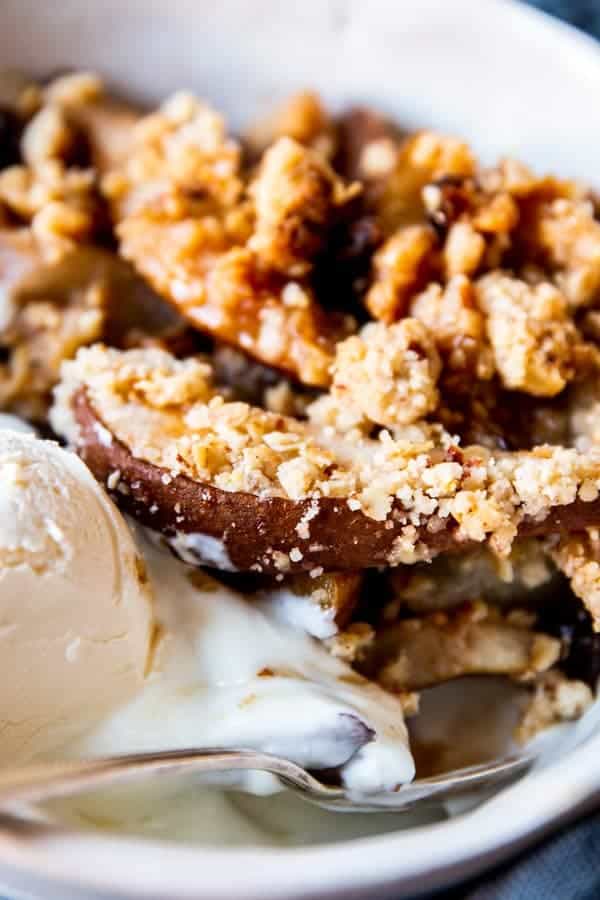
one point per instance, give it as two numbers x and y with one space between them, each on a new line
345 374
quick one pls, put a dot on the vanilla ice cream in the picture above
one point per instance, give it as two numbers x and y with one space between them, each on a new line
226 673
77 622
76 617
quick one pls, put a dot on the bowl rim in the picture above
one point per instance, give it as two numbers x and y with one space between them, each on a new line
67 861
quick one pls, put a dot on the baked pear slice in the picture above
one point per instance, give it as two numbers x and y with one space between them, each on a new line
238 487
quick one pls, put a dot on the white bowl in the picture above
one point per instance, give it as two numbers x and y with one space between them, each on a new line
510 80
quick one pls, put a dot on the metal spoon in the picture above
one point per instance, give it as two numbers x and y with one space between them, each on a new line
35 784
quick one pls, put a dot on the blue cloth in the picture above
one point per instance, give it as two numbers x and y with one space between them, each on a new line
584 14
565 866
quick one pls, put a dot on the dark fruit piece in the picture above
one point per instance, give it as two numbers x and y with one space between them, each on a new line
564 617
10 136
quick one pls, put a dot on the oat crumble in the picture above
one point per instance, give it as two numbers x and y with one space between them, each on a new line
362 315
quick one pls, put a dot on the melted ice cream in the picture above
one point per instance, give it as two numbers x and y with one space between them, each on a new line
226 674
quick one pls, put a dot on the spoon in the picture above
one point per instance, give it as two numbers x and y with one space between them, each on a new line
36 784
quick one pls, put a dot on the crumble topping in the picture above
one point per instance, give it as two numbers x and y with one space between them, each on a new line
59 203
52 189
456 325
470 399
228 254
534 342
399 270
395 183
180 152
388 374
578 557
50 312
166 412
567 239
295 196
555 699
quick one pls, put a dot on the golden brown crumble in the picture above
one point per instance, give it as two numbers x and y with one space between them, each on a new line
564 234
533 340
180 153
578 556
59 203
53 190
229 255
296 194
43 323
483 283
457 325
396 173
555 699
399 270
51 308
237 447
388 374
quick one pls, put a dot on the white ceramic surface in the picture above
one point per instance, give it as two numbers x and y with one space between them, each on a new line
511 81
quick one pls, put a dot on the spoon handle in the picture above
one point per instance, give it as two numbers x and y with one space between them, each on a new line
36 783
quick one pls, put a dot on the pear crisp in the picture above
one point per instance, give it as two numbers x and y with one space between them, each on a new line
349 367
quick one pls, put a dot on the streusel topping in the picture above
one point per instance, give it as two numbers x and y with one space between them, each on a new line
166 412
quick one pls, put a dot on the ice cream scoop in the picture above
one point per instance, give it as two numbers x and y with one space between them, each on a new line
226 673
76 617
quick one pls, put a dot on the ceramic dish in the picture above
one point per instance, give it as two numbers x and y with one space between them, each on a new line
511 82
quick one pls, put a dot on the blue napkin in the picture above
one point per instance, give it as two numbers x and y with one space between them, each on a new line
564 867
584 14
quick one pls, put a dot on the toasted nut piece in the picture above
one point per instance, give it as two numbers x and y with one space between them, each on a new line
320 604
396 176
295 195
400 271
418 653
